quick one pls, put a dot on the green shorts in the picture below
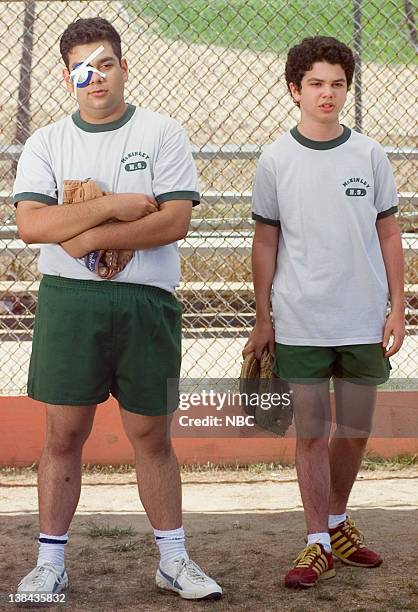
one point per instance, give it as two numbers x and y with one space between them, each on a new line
93 338
358 363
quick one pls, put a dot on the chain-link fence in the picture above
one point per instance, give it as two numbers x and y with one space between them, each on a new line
217 67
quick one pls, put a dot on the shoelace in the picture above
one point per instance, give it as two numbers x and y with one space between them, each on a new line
192 570
307 556
42 574
351 530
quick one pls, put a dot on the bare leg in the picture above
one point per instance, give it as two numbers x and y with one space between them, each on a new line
59 473
312 418
157 470
354 415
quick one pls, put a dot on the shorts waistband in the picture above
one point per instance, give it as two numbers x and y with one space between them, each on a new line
102 285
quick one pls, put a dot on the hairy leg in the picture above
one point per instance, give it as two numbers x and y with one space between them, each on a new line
59 473
312 418
157 470
354 415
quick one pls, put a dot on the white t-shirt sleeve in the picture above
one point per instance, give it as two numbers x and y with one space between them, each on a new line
385 193
265 205
175 174
35 178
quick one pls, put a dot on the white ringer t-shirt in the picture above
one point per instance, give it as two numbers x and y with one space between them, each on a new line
142 152
330 286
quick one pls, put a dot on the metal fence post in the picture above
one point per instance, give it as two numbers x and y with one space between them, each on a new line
23 104
358 110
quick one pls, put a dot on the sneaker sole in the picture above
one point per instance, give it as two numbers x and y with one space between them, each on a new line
166 586
307 585
353 564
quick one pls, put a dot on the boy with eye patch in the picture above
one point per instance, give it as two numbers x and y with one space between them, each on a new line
94 337
327 254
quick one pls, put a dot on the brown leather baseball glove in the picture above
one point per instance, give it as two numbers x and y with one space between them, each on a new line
263 395
105 263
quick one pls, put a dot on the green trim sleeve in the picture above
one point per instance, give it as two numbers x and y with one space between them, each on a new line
388 212
34 197
179 195
274 222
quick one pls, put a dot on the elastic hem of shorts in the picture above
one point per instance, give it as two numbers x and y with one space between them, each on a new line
101 285
145 412
66 402
354 381
327 343
304 381
368 382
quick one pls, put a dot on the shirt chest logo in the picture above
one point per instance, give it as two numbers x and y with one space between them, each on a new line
356 187
135 160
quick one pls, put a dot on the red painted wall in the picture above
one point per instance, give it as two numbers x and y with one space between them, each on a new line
23 421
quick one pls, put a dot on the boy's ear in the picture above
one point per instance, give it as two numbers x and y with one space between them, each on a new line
295 91
124 66
68 82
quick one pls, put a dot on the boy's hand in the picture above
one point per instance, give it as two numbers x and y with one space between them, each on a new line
77 246
395 327
262 336
133 206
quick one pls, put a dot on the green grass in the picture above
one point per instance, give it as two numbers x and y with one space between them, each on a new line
253 468
372 463
123 547
276 25
96 531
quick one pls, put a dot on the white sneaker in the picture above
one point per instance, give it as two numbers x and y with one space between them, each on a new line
45 578
188 580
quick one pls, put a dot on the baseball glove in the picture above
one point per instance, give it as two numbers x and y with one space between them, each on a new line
105 263
260 390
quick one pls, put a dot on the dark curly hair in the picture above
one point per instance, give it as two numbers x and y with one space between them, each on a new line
85 31
303 56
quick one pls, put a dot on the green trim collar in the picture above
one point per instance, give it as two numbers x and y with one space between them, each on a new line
321 145
103 127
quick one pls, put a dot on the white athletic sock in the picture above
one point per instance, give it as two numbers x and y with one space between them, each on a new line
335 519
51 548
171 544
320 538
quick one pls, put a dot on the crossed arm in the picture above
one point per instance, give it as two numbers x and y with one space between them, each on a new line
166 225
81 228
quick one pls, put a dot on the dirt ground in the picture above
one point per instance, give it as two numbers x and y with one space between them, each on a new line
247 553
